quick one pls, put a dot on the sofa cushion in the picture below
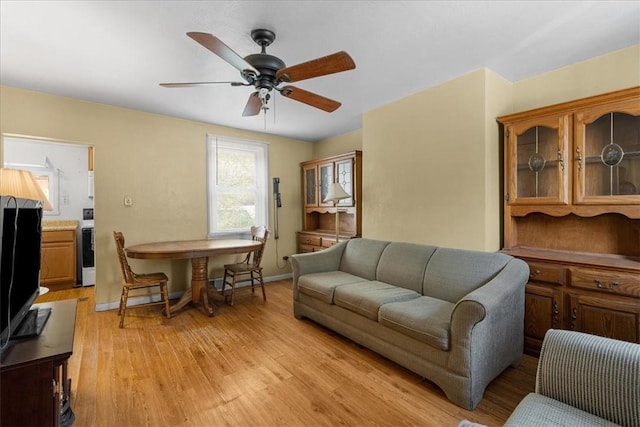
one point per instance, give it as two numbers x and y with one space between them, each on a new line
453 273
322 285
366 298
361 257
425 319
538 410
403 264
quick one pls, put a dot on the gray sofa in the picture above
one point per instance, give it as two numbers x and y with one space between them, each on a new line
453 316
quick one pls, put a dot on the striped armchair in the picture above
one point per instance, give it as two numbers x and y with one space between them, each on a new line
583 380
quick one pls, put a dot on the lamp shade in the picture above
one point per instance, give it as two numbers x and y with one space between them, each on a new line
336 192
21 184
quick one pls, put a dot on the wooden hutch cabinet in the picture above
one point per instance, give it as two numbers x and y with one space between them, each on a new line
319 229
572 212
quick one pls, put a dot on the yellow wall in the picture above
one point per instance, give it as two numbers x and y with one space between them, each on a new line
607 73
161 163
432 161
344 143
425 170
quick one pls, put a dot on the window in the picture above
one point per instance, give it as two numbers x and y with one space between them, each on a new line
237 183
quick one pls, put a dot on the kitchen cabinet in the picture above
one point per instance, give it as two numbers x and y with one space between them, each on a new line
572 212
319 216
58 258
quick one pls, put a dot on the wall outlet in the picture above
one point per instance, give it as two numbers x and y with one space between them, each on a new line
128 201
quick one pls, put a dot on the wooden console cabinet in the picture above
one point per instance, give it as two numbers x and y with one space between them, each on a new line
319 229
58 260
33 372
572 212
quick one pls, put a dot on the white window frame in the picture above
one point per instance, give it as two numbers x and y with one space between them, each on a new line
261 150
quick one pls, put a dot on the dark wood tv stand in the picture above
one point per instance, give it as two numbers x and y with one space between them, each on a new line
33 372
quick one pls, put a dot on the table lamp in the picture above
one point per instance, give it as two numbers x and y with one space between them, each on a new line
21 184
335 194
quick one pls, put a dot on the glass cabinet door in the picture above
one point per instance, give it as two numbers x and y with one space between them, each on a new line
537 151
344 176
310 186
326 178
607 154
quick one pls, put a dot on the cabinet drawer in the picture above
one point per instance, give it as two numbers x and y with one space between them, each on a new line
309 240
308 248
327 242
58 236
547 273
620 283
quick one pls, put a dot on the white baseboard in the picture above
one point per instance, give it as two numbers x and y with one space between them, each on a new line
133 301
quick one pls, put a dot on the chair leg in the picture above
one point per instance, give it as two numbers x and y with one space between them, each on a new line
224 282
261 280
123 305
233 287
120 305
165 297
252 280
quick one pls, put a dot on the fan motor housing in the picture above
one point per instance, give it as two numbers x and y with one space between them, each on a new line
268 66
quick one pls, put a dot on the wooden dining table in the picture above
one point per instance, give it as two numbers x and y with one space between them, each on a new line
198 251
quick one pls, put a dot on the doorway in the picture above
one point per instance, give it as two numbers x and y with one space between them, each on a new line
65 172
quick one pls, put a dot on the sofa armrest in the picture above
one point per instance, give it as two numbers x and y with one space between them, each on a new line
595 374
316 262
487 331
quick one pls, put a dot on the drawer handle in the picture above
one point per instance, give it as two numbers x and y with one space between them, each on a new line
535 273
601 285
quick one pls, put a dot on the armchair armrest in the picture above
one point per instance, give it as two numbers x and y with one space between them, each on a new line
595 374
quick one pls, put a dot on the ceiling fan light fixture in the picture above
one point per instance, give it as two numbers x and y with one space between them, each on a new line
266 72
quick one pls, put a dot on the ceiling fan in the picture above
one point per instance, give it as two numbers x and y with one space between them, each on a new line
266 72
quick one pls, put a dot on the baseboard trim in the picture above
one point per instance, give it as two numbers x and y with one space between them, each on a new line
217 283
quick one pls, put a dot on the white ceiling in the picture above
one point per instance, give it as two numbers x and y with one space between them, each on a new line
116 52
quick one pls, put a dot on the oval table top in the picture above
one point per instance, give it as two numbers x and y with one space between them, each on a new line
191 248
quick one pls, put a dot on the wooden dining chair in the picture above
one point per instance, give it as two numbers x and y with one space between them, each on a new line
249 268
133 281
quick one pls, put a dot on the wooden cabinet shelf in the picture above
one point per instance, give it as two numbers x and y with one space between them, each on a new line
319 226
572 212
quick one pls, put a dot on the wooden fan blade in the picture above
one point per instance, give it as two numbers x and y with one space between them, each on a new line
201 83
310 98
334 63
218 47
254 104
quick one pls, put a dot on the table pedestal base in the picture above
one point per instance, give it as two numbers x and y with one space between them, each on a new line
198 292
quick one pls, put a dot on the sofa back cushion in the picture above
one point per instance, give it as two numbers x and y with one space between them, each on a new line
453 273
361 257
403 264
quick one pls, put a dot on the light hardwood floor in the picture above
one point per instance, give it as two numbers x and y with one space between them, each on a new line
253 364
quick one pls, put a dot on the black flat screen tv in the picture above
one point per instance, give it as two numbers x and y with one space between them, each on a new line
20 247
